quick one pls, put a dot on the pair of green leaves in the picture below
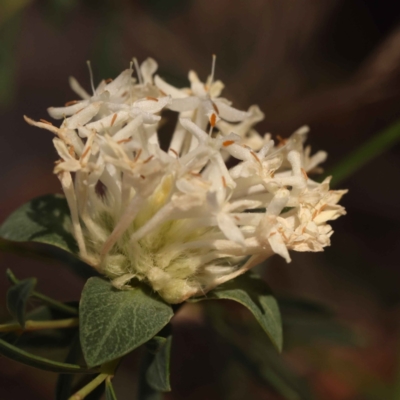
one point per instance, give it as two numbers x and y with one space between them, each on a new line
115 322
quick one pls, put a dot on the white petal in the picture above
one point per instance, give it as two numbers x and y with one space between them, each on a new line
78 89
62 149
70 166
108 121
169 89
239 152
196 85
229 228
278 202
216 89
42 125
69 191
61 112
128 130
279 247
82 117
184 104
152 106
75 140
120 83
316 159
229 113
194 129
148 69
147 117
95 175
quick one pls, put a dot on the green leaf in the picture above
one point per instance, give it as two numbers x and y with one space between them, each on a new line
306 323
258 356
16 354
110 393
269 367
64 382
303 332
45 299
253 292
45 219
155 344
293 306
145 391
114 322
17 297
158 372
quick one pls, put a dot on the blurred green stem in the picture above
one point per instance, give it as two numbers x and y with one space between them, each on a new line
107 372
81 394
365 153
39 325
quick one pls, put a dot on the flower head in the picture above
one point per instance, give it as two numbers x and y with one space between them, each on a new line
180 219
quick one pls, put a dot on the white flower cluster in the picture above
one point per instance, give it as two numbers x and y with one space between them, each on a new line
179 218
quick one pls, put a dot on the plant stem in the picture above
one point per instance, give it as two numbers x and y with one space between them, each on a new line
81 394
107 372
39 325
55 304
45 299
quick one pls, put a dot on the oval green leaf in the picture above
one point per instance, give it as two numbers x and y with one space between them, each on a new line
158 372
253 292
45 219
17 297
114 322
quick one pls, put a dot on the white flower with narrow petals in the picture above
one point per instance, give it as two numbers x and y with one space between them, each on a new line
182 220
201 101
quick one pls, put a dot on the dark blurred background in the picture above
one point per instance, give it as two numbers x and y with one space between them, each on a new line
332 64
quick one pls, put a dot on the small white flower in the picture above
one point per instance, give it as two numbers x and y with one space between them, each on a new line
181 220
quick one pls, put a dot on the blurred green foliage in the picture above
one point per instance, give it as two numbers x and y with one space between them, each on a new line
9 30
367 151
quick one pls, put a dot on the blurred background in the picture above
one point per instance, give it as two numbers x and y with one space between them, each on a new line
333 65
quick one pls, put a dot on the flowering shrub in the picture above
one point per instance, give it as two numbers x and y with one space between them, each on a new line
180 219
159 224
